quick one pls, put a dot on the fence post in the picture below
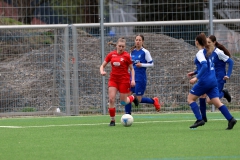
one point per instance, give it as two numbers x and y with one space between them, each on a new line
103 55
75 72
211 31
211 17
67 72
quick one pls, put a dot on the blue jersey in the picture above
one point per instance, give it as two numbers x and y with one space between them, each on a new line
142 56
220 59
207 82
208 76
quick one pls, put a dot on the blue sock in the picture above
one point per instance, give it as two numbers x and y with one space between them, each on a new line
147 100
221 94
203 106
195 109
128 108
225 112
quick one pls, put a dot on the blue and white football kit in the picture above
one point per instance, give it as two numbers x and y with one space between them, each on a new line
207 83
143 56
220 60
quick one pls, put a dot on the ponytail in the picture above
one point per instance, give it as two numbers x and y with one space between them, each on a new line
220 46
111 43
122 39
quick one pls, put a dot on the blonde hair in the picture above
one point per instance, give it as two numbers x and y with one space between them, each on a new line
123 40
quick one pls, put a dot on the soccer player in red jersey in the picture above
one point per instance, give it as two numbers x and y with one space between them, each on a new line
119 77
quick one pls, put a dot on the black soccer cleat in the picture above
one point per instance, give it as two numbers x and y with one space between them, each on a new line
197 123
231 124
112 123
205 119
227 95
135 101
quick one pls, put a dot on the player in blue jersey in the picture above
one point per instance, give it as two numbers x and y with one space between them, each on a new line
205 82
142 59
221 57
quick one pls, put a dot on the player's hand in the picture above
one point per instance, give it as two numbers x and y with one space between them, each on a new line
133 83
139 64
225 77
190 74
103 73
193 80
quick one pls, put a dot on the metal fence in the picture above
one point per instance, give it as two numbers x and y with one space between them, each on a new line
88 11
45 67
34 69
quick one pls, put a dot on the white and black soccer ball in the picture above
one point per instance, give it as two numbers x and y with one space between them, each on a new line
127 120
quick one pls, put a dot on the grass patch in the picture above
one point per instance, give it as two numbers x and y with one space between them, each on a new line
151 137
9 21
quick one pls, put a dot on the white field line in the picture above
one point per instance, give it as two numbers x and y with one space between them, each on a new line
96 124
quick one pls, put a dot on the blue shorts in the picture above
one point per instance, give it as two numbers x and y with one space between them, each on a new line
211 91
139 88
220 87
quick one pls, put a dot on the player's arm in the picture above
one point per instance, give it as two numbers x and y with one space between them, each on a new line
228 60
132 75
201 58
203 69
147 64
102 72
149 60
230 68
190 74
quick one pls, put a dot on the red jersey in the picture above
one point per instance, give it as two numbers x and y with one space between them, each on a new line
120 64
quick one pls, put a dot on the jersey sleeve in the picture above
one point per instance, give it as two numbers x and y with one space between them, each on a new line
108 57
148 56
200 56
129 59
221 55
230 66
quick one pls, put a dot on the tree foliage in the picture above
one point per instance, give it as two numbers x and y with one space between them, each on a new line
76 11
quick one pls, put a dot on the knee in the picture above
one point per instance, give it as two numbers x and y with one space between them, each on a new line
209 102
189 100
111 100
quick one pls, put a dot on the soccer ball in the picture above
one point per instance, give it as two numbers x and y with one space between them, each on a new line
127 120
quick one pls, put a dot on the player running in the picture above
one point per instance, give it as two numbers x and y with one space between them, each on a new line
206 82
142 59
119 77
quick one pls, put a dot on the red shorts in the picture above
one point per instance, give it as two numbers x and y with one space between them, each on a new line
122 87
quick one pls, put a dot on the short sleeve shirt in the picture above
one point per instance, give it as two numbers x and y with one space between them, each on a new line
120 65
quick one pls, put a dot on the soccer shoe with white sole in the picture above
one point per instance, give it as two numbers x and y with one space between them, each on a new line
231 124
156 104
197 124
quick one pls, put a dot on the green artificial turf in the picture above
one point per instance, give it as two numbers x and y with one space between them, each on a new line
151 137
